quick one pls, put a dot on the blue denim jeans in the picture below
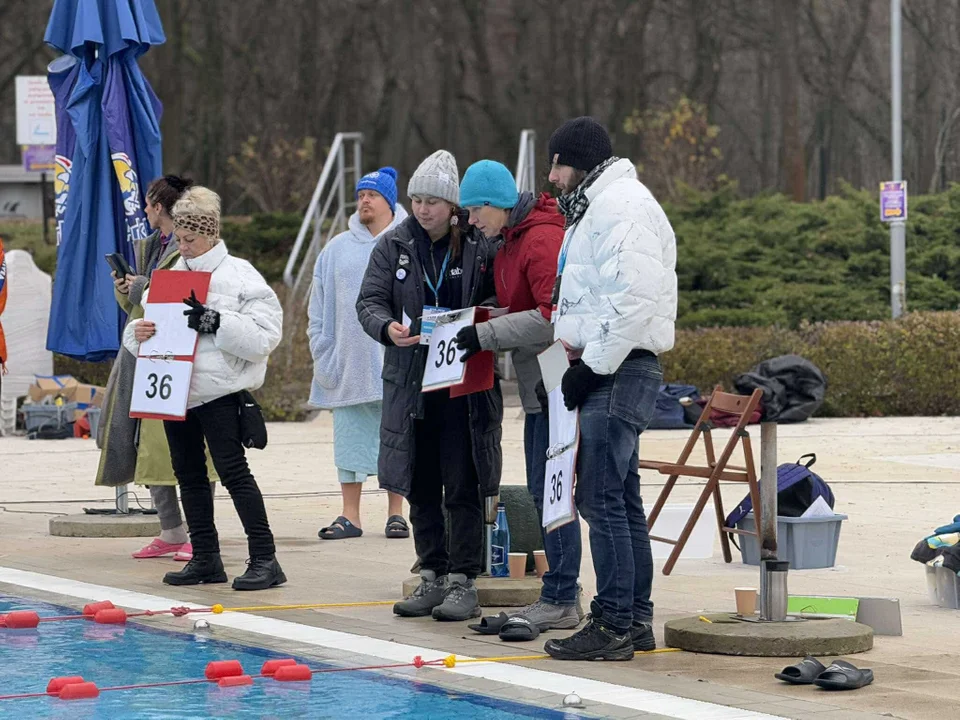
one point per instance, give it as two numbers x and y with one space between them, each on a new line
562 545
608 490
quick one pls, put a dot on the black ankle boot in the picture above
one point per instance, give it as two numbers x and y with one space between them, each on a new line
202 568
263 571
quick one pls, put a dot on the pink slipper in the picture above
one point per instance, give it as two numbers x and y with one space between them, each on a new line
185 553
157 548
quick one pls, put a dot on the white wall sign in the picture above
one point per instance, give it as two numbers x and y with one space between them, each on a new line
36 112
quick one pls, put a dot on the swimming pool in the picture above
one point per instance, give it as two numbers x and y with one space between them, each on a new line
116 655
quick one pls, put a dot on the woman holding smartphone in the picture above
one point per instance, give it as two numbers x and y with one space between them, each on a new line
435 450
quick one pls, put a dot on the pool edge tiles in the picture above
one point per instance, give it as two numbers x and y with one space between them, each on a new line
643 701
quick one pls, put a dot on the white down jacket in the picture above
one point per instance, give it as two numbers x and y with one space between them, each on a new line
618 291
251 325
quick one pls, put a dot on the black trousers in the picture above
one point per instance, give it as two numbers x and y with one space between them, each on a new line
217 422
445 475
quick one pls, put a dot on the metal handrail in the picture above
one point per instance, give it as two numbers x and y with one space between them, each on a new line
526 174
335 159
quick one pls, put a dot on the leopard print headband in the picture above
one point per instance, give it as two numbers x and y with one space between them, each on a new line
205 225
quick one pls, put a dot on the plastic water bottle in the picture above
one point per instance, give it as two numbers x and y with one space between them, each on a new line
500 544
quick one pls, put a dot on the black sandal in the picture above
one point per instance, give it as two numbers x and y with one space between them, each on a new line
803 673
396 527
843 676
339 529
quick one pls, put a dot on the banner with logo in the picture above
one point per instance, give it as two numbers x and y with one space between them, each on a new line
131 118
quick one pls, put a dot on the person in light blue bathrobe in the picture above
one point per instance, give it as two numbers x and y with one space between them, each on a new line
346 363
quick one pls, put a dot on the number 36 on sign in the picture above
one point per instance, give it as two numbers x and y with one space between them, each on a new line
161 388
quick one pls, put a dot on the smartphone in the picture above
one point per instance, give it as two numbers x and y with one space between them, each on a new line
119 264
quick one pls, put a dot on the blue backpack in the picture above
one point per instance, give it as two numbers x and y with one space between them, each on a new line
798 487
669 413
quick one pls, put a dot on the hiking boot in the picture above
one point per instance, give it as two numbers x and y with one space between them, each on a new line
263 571
459 599
425 598
641 634
593 642
550 617
202 568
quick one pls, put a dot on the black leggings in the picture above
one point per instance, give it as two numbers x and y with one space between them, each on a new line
217 422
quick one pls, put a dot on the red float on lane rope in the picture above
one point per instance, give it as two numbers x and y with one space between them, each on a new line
79 691
271 666
21 619
223 668
110 616
91 609
235 681
293 673
59 683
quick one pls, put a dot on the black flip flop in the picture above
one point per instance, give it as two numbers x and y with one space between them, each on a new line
843 676
519 629
490 625
803 673
339 529
396 527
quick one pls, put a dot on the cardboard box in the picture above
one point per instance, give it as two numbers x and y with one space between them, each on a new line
51 386
85 395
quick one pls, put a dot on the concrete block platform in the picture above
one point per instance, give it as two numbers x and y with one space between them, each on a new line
105 526
725 634
496 592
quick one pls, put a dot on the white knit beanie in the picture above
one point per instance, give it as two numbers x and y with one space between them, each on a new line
437 176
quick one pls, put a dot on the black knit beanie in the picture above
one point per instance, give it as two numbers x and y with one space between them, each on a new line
581 143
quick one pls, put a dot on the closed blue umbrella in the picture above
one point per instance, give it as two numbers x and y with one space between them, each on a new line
108 147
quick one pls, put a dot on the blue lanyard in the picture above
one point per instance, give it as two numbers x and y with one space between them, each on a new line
443 272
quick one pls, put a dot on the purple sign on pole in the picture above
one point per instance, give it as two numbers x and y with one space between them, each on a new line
893 201
39 158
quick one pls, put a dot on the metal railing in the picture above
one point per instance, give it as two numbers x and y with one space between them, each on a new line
526 175
332 201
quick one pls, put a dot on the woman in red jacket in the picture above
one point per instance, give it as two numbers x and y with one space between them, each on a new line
525 270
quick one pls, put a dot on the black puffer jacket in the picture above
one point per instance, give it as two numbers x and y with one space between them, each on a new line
384 298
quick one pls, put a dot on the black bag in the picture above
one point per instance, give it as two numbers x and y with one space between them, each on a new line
253 430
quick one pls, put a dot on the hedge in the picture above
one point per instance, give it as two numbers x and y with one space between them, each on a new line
905 367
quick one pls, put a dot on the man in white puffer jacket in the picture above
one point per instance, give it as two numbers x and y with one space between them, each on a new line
615 304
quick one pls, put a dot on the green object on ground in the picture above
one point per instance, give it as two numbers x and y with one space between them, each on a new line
816 605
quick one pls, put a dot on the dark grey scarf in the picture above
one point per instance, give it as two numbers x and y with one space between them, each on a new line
574 205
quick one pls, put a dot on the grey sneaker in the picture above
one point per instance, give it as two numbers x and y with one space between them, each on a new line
550 617
459 600
425 598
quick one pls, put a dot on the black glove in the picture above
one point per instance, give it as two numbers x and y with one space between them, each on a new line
200 318
577 383
467 340
542 396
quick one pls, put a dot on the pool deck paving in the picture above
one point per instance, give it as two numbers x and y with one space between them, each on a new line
896 479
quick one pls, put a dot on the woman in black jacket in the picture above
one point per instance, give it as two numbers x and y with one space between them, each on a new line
434 449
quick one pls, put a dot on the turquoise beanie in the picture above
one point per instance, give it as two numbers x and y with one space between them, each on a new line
488 183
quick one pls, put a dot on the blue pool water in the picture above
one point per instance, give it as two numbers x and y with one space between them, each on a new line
111 655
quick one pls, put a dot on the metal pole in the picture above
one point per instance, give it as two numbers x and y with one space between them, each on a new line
768 509
123 505
898 230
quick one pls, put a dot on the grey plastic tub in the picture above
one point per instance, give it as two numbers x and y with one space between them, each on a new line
807 543
943 586
37 416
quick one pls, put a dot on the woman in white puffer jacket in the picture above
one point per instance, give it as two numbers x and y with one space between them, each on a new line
239 326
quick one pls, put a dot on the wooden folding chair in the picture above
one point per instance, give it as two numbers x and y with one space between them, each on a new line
714 471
